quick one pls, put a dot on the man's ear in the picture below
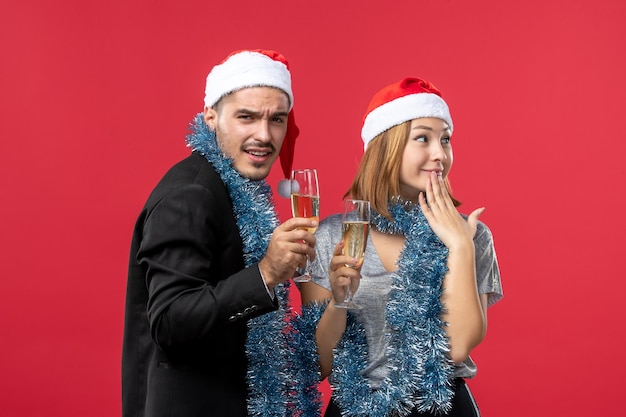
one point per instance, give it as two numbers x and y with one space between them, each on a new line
210 117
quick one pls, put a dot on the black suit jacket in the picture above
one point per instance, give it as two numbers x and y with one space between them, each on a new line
188 300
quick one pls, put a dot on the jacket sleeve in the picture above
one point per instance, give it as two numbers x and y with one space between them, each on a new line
190 294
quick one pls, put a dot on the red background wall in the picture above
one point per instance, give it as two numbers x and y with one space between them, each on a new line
95 98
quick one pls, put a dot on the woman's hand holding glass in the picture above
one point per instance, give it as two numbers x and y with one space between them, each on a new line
344 275
354 229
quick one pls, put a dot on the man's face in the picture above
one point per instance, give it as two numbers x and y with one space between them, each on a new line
250 125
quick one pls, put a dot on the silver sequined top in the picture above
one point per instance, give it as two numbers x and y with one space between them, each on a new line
375 284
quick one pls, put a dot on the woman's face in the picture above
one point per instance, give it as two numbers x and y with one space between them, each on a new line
428 149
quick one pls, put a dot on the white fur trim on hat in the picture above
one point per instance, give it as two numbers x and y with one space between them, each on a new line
402 110
246 69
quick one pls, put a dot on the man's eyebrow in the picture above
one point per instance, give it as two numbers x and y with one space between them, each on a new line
280 114
258 114
248 111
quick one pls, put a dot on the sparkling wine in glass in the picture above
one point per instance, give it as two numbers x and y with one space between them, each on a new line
355 228
305 202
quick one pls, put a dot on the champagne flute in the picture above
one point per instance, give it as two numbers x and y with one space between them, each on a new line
305 202
355 228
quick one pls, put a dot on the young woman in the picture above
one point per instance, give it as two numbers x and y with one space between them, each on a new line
428 275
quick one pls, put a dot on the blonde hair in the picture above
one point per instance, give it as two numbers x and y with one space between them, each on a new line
378 176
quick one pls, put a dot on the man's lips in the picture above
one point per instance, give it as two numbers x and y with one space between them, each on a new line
258 153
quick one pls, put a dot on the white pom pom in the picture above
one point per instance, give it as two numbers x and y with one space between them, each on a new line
284 188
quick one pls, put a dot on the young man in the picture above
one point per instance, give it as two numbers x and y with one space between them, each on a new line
209 260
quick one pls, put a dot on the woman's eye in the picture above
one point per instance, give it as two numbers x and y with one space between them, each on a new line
445 140
421 138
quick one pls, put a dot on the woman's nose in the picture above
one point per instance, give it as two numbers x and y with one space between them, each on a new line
437 153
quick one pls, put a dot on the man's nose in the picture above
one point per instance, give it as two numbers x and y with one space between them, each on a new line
262 132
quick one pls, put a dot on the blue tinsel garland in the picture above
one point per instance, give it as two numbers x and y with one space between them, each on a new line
307 399
269 339
420 368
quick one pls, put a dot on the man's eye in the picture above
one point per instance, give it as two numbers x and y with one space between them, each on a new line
278 120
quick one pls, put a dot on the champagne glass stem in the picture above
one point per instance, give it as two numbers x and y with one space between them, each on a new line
348 297
306 272
307 268
347 301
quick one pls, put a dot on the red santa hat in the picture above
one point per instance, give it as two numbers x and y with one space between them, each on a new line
407 99
256 68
